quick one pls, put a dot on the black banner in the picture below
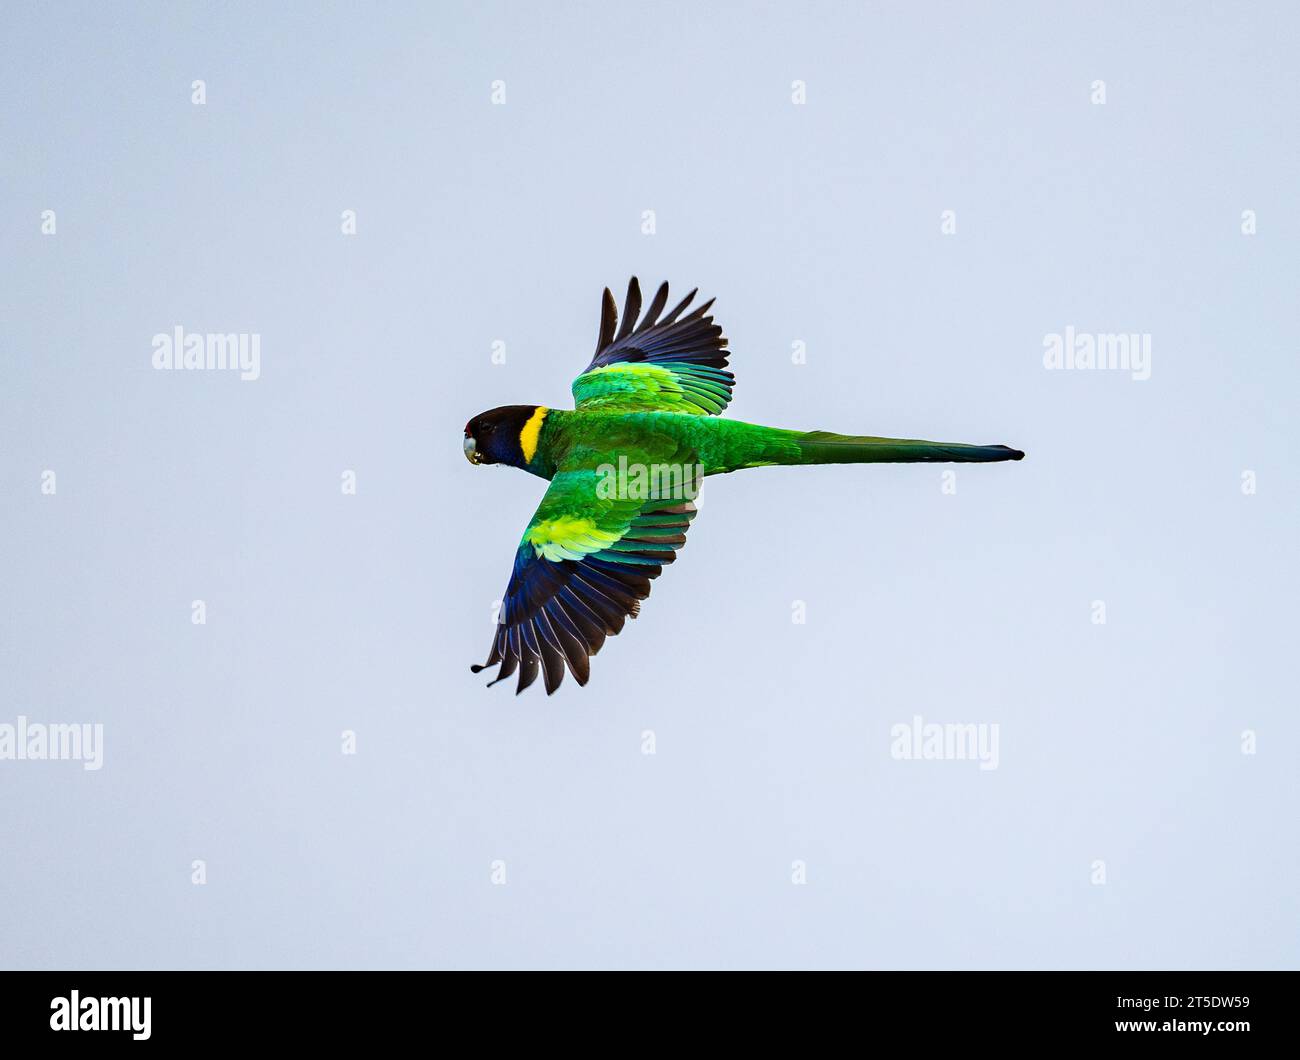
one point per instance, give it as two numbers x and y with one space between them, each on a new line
546 1009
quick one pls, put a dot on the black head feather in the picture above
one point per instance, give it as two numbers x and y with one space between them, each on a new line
495 435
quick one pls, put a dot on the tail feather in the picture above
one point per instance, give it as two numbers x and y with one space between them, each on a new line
823 447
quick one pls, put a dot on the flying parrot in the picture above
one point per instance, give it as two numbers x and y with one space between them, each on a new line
623 467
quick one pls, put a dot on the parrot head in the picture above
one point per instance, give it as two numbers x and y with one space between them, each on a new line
503 436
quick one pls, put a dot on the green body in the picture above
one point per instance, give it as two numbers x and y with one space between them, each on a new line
573 440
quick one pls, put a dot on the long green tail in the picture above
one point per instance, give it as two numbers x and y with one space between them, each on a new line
822 447
729 445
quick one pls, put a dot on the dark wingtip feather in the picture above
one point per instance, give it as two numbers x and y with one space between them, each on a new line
508 664
631 309
527 671
608 320
656 307
671 317
701 310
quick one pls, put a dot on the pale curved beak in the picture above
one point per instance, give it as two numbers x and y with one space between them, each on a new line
471 451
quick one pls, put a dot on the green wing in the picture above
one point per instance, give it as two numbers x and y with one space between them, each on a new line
583 567
676 364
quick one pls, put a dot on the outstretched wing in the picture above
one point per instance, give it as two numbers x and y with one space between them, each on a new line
671 365
583 567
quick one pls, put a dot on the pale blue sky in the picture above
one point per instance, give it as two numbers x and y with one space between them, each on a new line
817 223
